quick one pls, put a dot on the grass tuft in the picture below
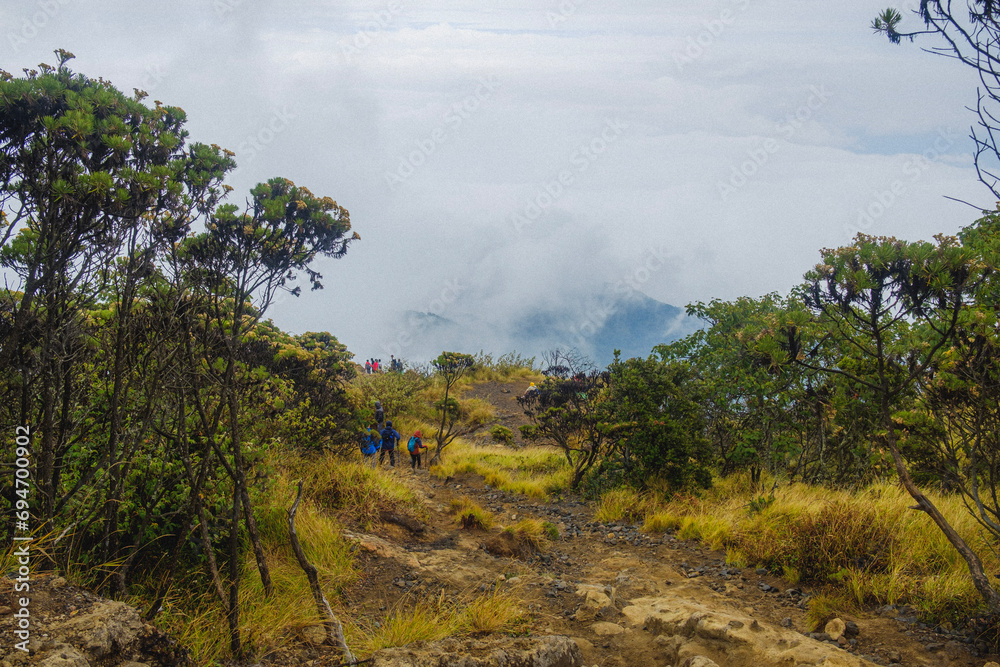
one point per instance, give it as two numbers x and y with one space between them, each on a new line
470 515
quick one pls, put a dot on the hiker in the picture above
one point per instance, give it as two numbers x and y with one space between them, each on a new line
389 439
370 444
531 391
379 414
414 446
368 367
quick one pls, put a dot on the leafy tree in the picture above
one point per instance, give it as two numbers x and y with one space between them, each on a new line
953 431
249 255
899 306
658 428
750 401
82 169
566 411
451 367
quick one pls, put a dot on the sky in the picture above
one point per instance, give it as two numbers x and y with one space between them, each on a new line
501 159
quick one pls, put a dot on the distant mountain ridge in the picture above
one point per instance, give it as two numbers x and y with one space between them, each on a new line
595 326
633 323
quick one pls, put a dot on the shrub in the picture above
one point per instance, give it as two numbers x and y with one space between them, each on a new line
470 515
621 504
502 434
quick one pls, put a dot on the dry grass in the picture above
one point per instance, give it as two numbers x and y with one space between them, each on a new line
622 504
470 515
533 532
497 611
334 490
536 472
866 546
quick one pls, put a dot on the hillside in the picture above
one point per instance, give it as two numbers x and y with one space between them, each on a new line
623 597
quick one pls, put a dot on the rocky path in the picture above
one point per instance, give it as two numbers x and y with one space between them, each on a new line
631 599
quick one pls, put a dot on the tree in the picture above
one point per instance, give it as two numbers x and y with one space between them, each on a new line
83 168
898 305
655 425
451 367
750 401
971 35
239 263
566 411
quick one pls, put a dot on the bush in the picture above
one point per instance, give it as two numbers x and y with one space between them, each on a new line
470 515
502 435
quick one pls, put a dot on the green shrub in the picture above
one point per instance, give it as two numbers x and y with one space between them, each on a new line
502 434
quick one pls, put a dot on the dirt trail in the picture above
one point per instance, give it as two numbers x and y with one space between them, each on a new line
558 586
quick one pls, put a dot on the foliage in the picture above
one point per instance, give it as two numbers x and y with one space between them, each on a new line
502 435
451 367
506 367
655 426
566 412
470 515
397 392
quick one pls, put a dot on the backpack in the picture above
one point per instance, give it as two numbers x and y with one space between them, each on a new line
412 444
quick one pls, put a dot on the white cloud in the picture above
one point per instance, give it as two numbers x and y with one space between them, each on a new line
355 115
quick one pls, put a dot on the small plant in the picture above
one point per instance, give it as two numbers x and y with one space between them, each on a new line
621 504
422 622
498 611
470 515
661 522
502 435
759 504
531 532
551 530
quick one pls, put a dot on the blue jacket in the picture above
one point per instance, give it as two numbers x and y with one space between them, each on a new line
389 438
371 443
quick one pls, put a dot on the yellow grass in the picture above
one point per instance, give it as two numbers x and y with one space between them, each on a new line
536 472
497 611
621 504
867 546
470 515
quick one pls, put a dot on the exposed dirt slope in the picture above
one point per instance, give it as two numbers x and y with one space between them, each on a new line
563 587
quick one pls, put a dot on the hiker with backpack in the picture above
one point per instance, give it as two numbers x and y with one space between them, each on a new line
414 446
371 442
390 437
379 414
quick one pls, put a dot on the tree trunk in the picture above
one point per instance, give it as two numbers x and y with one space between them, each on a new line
334 630
924 504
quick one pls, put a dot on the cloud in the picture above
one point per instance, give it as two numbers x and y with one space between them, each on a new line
740 111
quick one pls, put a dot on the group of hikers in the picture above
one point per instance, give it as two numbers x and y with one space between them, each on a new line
384 440
375 365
